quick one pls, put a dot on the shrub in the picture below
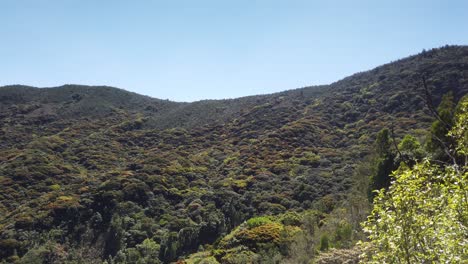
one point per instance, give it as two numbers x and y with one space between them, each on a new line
421 219
54 187
291 219
269 232
324 242
258 221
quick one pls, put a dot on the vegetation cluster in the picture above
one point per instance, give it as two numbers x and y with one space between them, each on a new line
101 175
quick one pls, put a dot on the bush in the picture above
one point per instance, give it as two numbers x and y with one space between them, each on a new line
269 232
54 187
258 221
291 219
324 242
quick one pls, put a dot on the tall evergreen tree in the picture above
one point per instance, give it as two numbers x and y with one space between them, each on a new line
439 144
383 164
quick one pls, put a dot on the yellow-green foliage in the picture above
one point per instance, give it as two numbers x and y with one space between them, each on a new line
309 158
5 181
176 167
237 255
460 129
64 198
54 187
339 256
229 159
242 245
54 143
63 202
290 219
199 168
258 221
269 232
240 184
137 123
201 258
237 184
24 220
423 217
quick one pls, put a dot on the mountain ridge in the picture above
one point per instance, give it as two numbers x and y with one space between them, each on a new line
184 175
424 53
217 107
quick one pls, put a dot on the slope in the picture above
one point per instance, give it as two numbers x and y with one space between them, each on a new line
97 171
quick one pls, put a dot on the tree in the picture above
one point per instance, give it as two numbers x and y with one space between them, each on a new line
383 164
411 149
422 218
439 143
324 243
382 143
460 131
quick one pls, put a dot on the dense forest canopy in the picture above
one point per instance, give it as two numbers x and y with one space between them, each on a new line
102 175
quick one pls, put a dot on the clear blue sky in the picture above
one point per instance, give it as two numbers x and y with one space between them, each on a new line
191 50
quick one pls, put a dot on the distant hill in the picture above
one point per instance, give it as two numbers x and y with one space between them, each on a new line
98 170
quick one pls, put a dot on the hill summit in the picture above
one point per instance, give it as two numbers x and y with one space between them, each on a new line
102 174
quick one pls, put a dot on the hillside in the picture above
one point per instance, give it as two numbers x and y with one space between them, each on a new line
100 173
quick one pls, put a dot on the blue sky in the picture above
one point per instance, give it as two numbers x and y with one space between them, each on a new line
191 50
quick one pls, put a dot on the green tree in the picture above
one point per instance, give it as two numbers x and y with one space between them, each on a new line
411 149
459 133
439 143
383 143
324 242
383 165
422 218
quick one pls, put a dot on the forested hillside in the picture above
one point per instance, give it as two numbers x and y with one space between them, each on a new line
99 174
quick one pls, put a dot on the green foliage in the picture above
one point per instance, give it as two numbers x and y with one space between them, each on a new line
203 257
423 217
258 221
54 187
302 248
439 141
9 247
145 253
409 144
384 163
460 129
343 234
93 172
272 240
268 232
383 143
411 148
291 219
324 242
309 158
336 256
